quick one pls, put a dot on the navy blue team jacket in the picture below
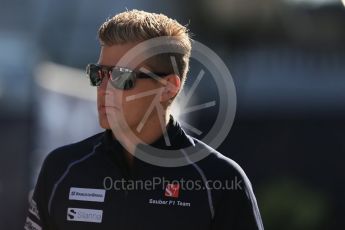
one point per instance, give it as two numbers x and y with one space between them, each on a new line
89 185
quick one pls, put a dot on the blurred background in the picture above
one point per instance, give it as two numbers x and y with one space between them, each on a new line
287 60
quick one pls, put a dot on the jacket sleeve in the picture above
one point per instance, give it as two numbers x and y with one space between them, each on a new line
37 214
237 208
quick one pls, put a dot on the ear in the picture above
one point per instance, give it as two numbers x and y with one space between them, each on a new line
172 85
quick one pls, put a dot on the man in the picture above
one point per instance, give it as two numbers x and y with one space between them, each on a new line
105 181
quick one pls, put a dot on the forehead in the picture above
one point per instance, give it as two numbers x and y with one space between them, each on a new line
111 55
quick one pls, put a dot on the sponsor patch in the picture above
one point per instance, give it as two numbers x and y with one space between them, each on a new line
84 215
33 209
30 225
87 194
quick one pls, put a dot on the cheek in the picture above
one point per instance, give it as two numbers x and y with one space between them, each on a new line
136 103
139 105
135 110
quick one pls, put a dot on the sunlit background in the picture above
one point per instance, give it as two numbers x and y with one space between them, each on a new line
287 60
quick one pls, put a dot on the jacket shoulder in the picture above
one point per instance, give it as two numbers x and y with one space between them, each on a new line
219 166
63 155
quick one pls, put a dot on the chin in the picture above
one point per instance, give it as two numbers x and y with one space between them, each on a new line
104 124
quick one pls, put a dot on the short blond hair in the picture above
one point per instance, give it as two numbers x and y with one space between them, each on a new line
138 26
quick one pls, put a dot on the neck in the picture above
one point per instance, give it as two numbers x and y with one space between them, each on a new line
152 130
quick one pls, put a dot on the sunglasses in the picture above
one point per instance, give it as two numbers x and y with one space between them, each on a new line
120 78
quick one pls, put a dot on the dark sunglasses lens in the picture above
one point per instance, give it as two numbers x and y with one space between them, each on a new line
94 75
122 78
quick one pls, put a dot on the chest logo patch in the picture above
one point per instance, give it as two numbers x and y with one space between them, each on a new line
172 190
87 194
84 215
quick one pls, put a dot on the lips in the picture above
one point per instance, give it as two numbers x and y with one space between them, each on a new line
106 101
105 104
103 108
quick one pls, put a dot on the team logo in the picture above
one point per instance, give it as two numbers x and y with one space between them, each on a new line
172 190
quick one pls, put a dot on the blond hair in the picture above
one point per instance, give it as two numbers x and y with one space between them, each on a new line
138 26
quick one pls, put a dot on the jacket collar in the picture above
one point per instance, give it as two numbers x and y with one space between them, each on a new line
177 137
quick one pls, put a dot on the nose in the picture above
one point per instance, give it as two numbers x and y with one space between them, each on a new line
105 90
102 88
